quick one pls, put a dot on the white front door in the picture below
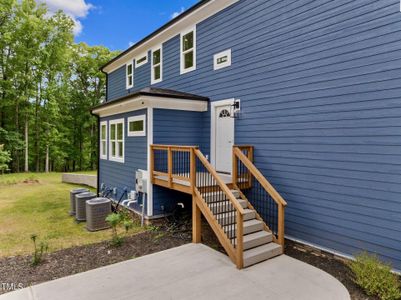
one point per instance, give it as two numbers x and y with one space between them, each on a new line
224 139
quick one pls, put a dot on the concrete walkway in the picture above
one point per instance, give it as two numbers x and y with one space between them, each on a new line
191 272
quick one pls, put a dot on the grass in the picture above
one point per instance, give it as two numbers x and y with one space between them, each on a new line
40 208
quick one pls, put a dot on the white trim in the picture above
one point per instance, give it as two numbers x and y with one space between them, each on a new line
111 157
182 52
146 55
213 107
206 11
152 80
150 142
148 101
127 84
227 63
135 119
103 123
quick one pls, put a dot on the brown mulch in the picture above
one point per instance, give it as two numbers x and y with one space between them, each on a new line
71 261
74 260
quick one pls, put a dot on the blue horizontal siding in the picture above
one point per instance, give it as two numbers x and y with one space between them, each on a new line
176 127
122 175
319 83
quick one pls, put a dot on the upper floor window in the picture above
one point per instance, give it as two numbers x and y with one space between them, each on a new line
103 140
141 60
137 126
116 142
157 67
188 51
130 75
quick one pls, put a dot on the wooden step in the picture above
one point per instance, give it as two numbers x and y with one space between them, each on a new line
249 227
257 239
225 206
230 217
210 197
261 253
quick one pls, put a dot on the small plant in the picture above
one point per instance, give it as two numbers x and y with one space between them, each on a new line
375 277
39 250
115 220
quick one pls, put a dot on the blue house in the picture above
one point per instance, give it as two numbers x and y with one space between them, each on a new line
236 105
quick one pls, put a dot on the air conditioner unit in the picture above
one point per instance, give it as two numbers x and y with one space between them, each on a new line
73 193
80 205
97 210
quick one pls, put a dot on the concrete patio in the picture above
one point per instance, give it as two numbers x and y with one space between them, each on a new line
192 271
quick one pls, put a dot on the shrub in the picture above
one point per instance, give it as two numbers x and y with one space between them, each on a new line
115 220
375 277
39 251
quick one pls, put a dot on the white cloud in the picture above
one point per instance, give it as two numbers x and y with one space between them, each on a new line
76 9
131 44
177 13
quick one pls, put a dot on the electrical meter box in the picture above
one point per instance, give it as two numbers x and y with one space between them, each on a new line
141 181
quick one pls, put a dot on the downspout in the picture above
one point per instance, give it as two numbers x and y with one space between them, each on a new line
98 153
98 136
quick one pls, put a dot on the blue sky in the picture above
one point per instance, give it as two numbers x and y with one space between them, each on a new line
117 23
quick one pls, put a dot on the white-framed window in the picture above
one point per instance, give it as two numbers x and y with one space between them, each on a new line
116 140
157 65
141 60
130 75
103 140
137 126
222 60
188 50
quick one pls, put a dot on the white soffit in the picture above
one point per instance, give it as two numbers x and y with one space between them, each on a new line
153 102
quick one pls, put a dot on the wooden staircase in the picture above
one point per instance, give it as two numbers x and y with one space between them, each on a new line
249 236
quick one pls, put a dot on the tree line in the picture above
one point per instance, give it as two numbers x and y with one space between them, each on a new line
48 83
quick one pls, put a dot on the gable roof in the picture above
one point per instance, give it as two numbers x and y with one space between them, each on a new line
197 13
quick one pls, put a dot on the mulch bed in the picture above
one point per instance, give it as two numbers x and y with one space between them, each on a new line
70 261
80 259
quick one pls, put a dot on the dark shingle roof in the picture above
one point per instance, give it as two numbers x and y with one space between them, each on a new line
154 92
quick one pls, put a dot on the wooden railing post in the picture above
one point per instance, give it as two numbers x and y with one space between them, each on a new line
152 164
240 240
280 233
192 172
170 166
235 168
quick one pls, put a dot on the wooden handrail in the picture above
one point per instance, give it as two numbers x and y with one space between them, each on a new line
234 250
259 176
220 182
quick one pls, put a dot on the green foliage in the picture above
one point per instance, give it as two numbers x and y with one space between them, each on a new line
39 250
5 158
116 220
375 277
47 86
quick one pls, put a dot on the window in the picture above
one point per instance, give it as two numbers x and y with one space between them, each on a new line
188 51
141 60
157 66
137 126
103 140
130 75
222 60
116 142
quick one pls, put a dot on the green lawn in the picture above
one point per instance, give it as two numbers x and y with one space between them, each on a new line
42 209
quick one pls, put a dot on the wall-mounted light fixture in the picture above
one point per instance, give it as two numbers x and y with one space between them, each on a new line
235 109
